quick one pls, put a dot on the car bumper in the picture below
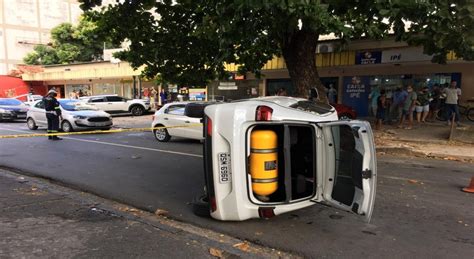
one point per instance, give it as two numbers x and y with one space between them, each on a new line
84 124
13 116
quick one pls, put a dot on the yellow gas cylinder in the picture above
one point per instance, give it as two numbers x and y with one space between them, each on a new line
263 162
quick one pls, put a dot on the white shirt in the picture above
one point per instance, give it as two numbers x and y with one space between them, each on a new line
452 95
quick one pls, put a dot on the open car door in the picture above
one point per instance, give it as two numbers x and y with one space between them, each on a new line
349 171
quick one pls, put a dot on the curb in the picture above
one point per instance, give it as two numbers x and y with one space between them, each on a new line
406 151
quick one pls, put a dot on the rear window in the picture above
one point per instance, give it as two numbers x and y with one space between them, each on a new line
10 102
175 110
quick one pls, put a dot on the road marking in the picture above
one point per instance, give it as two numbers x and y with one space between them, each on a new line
122 145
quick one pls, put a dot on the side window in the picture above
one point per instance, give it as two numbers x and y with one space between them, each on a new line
348 164
40 105
175 110
97 100
114 99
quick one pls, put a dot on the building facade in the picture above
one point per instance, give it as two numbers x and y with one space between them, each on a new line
27 23
354 72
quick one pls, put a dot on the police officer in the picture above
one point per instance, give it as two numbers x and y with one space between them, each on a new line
53 113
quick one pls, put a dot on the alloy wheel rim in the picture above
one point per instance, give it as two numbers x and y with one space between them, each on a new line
66 127
31 124
160 134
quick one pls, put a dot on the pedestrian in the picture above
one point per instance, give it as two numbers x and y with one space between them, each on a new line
422 104
381 107
408 108
373 97
398 100
332 94
452 96
153 98
163 96
435 102
53 113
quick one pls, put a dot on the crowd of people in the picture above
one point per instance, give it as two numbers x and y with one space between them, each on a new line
406 104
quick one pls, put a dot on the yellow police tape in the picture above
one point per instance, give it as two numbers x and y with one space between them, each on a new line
96 131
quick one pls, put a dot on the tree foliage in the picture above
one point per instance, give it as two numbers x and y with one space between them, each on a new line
69 44
188 41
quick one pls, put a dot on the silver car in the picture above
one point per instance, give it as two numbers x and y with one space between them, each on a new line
76 116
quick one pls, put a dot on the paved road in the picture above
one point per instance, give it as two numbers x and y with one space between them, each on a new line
419 209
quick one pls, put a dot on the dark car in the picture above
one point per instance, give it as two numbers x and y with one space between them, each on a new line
344 112
12 109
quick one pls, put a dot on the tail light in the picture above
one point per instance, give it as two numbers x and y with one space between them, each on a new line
264 113
209 126
266 212
213 203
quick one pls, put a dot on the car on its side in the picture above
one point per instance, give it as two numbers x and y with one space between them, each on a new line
118 104
12 109
76 116
268 156
172 115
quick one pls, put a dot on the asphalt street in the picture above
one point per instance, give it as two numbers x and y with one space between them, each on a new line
420 210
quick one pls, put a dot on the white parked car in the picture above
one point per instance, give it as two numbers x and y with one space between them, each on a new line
172 114
114 103
269 156
76 116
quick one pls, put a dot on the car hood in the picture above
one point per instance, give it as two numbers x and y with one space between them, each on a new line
14 108
88 113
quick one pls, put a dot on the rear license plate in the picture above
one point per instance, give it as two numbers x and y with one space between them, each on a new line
224 167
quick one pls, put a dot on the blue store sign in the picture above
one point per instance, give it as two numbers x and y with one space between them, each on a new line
368 57
356 94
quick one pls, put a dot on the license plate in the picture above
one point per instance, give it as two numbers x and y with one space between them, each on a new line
224 167
21 116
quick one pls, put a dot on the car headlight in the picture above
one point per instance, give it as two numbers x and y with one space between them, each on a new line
4 111
80 117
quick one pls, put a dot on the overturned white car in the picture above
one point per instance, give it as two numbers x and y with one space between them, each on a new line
269 156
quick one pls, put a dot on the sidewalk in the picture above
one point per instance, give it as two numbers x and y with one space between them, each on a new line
39 219
430 139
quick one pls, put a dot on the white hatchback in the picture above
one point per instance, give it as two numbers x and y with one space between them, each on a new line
172 115
268 156
76 116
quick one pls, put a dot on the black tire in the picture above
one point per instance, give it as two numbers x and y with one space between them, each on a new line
31 124
161 135
201 206
137 110
470 114
66 126
345 116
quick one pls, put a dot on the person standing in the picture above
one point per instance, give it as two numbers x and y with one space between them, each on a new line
153 98
422 104
332 94
396 108
380 116
452 97
374 97
53 113
408 108
163 96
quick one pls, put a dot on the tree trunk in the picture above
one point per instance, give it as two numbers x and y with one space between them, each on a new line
300 56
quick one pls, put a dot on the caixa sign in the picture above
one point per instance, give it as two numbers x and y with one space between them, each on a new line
404 55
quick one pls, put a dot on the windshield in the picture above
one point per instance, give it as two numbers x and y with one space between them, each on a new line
10 102
313 107
75 105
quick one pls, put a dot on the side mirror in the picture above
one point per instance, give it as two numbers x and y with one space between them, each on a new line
195 110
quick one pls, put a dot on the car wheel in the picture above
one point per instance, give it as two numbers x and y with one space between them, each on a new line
66 126
162 135
345 116
31 124
201 206
137 110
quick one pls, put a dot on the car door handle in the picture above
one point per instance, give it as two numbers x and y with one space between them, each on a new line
187 122
165 119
